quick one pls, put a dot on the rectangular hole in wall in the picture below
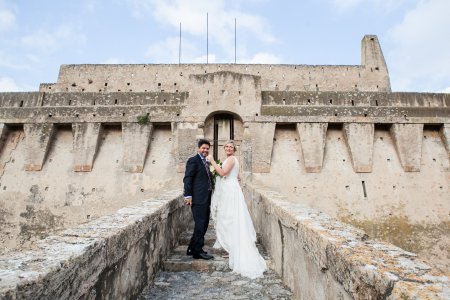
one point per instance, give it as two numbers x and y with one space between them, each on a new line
364 188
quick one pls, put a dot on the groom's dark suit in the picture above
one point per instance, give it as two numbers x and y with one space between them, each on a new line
198 185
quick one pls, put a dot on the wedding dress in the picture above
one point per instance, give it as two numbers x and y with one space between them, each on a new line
234 228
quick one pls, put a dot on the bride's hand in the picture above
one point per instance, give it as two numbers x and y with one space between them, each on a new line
210 158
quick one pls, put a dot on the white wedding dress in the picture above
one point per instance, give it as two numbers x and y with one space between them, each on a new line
234 228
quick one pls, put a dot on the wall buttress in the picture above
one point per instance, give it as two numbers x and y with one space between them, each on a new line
262 143
37 139
136 141
408 143
86 138
312 140
359 139
445 135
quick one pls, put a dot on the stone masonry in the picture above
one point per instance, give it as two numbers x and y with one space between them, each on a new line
334 139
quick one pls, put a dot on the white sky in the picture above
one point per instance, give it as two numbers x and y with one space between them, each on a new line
36 37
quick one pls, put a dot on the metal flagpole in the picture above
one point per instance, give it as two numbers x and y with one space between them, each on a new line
234 40
179 50
207 50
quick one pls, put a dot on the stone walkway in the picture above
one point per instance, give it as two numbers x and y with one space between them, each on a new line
183 277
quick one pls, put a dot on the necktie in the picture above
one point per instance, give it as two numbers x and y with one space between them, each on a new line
205 163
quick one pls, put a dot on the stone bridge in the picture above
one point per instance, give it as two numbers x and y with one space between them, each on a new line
347 182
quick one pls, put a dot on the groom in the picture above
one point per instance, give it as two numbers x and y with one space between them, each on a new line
197 193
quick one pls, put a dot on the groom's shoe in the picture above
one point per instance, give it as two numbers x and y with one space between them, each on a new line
189 252
205 256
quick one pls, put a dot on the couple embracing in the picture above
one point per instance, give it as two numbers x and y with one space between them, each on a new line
225 201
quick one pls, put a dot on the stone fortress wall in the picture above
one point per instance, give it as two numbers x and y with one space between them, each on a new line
332 138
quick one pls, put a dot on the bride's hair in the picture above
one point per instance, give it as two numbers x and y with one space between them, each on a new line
232 143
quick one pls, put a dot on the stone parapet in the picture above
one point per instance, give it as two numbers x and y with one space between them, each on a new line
241 97
112 257
355 98
321 258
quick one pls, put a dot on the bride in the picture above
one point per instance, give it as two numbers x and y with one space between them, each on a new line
233 225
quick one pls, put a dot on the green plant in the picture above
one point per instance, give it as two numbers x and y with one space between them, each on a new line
143 119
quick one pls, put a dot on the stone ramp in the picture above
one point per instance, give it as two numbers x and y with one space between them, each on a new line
183 277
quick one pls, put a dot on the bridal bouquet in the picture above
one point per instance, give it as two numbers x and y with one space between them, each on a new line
213 171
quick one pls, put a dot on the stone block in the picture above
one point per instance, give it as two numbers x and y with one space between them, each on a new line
86 138
321 258
37 138
359 139
312 140
445 135
186 137
3 134
261 135
246 152
408 143
136 141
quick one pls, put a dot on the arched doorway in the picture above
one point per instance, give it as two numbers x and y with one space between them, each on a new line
221 127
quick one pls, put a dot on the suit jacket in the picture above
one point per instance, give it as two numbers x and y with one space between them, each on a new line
196 182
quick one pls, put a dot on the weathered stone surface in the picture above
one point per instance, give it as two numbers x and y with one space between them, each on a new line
337 260
261 135
215 285
246 152
184 101
312 141
445 135
226 91
372 59
38 138
186 137
85 145
111 257
408 143
3 133
359 139
136 140
186 278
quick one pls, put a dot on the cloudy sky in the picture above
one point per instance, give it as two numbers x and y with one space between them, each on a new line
36 37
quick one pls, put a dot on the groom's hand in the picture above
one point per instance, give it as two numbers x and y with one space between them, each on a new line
188 201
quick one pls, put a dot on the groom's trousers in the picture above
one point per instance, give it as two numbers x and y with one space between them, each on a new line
201 215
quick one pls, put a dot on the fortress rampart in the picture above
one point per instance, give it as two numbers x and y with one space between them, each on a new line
332 138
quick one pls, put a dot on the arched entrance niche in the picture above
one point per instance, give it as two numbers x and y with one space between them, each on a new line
220 127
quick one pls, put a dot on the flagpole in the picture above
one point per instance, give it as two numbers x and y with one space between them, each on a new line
179 49
207 41
234 40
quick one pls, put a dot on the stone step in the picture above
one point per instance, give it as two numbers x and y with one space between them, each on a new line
183 277
210 237
178 261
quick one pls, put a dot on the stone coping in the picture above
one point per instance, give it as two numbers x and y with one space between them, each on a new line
363 267
80 254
